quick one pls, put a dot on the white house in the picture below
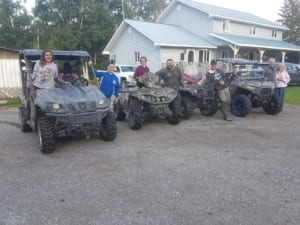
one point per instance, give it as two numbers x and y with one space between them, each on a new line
189 31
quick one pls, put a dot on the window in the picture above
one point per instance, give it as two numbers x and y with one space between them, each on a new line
226 26
137 56
224 54
274 33
191 56
182 56
203 56
252 30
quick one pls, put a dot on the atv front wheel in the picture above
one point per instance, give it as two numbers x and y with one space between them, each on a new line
273 106
135 117
23 125
109 127
46 134
187 108
176 109
119 113
210 108
241 105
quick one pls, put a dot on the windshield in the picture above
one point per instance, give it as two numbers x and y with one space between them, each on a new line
149 80
249 70
127 68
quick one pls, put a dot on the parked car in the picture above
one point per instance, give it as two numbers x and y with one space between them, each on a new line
292 69
125 74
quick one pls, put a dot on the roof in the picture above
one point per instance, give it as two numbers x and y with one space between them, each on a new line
34 54
225 13
243 41
9 49
162 35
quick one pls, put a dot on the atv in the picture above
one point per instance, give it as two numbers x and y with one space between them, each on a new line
69 108
249 88
151 100
194 95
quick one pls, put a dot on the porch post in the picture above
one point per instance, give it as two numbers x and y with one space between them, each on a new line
235 50
282 56
261 53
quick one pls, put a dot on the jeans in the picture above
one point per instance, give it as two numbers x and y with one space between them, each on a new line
280 91
225 99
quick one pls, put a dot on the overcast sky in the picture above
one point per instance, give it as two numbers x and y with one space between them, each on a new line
264 8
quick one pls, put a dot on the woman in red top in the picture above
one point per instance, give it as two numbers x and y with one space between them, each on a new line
141 70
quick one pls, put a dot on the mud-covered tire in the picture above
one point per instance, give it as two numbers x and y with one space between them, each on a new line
23 125
119 113
187 108
175 107
109 127
135 117
241 105
273 106
210 109
46 134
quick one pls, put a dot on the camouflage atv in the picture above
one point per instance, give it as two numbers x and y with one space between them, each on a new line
195 96
249 88
66 109
152 100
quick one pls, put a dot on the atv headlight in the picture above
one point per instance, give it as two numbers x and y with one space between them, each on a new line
101 101
55 106
172 95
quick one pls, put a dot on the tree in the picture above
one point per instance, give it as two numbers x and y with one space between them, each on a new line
290 17
15 25
73 25
147 10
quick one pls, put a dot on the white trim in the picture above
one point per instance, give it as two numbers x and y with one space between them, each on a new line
185 45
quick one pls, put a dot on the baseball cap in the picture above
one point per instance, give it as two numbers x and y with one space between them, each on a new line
213 62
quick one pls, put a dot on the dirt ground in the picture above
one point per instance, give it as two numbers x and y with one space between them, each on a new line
203 171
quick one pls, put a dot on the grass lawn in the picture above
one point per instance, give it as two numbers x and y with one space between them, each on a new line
14 102
292 95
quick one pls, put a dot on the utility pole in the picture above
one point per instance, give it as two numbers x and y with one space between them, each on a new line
123 13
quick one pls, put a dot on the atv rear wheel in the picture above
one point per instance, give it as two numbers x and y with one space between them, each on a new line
187 108
273 106
23 125
119 113
175 107
210 108
46 134
109 127
241 105
135 117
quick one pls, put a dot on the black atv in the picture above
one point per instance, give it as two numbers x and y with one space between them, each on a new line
152 100
67 109
249 88
194 95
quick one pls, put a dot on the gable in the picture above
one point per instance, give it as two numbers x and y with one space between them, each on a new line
217 12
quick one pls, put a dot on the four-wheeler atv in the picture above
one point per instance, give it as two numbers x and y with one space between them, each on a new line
66 109
194 96
248 87
152 100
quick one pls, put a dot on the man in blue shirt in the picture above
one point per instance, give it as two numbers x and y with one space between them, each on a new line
109 82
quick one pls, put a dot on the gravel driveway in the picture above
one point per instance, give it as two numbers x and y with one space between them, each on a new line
203 171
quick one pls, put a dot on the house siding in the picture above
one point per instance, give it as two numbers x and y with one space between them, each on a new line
183 15
10 74
132 41
244 30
